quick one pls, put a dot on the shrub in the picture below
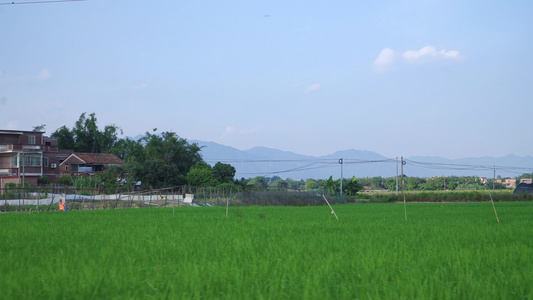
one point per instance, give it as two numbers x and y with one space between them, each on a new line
64 180
43 180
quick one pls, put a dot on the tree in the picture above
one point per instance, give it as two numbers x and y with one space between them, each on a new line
412 183
127 148
311 184
85 136
280 184
164 160
39 128
223 173
258 182
65 138
352 187
331 186
390 184
201 175
112 177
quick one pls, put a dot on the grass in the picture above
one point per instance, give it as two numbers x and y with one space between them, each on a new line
442 251
443 196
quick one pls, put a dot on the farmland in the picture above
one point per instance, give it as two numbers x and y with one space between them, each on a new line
442 250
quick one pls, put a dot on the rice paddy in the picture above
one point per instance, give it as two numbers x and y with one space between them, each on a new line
442 251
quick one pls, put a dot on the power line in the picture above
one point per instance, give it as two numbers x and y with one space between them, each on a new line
466 167
40 2
312 164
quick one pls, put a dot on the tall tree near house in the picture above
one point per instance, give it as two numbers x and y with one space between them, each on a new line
65 138
39 128
86 137
127 148
165 160
86 134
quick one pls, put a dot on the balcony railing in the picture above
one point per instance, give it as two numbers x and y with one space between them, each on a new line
12 147
31 147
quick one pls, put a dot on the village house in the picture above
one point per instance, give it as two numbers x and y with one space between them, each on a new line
25 156
510 183
88 164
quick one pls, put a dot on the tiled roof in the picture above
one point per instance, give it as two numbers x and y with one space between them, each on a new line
99 158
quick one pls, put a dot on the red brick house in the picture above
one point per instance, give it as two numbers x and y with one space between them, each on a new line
27 155
88 164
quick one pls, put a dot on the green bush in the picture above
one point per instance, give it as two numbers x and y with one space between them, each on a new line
43 180
64 180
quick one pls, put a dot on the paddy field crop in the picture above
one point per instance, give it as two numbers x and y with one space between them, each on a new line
442 251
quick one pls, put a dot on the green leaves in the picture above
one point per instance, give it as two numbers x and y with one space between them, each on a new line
85 136
159 160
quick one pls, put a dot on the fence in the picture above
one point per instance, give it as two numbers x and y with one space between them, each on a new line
47 198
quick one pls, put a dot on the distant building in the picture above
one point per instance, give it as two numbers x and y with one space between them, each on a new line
25 156
526 180
509 182
88 164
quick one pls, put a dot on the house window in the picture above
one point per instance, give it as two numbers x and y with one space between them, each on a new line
14 161
32 160
31 139
66 167
45 161
75 168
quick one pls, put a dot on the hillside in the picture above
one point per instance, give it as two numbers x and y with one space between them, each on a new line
262 161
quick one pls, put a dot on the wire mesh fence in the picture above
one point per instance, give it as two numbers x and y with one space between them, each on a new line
47 198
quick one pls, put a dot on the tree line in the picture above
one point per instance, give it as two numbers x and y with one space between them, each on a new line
167 160
155 160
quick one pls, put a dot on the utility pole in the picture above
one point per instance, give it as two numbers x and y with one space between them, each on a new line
23 168
403 163
404 203
494 179
341 162
23 177
396 175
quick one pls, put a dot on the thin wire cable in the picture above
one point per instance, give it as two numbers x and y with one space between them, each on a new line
465 167
40 2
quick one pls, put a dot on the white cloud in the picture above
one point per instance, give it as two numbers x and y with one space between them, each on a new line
44 75
385 58
312 88
388 57
429 53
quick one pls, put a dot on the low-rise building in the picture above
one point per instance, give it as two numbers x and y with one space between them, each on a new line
25 156
510 183
88 164
526 180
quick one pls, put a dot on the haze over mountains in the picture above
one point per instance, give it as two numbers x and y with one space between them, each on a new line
262 161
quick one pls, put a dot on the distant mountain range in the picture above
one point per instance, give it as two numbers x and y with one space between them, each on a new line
262 161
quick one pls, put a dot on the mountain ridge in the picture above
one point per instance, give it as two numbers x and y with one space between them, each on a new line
264 161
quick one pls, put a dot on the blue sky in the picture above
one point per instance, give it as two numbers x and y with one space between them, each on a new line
401 78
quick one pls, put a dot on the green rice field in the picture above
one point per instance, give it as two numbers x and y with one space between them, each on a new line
442 251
